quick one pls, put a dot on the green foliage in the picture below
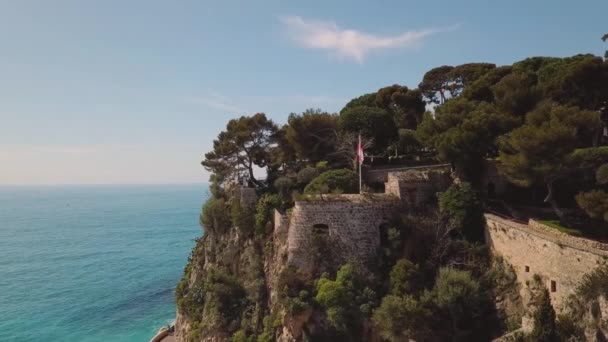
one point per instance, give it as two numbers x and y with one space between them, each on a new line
307 174
342 180
462 207
541 149
263 212
557 225
242 218
595 203
464 132
404 278
372 122
601 174
245 142
405 104
215 216
456 289
408 142
348 298
284 186
293 291
401 318
544 320
312 135
225 298
366 100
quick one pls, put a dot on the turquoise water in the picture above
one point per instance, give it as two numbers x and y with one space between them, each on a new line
93 263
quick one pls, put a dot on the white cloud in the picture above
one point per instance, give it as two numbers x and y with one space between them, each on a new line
350 44
218 102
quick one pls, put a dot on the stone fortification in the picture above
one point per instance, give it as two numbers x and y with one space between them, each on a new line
351 223
559 259
380 174
416 187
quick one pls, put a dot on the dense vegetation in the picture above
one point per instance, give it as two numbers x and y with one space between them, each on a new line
541 121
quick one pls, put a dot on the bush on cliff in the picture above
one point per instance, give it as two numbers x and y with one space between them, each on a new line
242 218
463 210
263 212
401 318
341 180
225 299
215 217
544 320
347 299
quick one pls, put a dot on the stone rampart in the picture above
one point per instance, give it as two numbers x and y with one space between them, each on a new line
351 223
380 174
559 259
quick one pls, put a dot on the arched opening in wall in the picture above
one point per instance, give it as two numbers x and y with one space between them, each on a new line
491 190
553 286
527 269
383 230
320 228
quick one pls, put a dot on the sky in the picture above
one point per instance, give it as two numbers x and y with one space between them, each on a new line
134 92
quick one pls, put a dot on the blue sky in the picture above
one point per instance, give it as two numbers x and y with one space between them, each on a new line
111 91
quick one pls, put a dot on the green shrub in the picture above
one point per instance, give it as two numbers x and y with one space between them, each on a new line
342 180
461 206
307 174
225 298
263 212
404 278
401 318
284 186
242 218
544 320
348 298
215 217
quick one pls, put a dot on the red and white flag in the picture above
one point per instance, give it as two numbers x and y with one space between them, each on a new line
360 155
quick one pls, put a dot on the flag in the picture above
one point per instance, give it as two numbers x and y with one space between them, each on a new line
360 155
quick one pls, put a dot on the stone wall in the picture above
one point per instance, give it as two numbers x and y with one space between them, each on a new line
351 223
380 174
415 187
560 260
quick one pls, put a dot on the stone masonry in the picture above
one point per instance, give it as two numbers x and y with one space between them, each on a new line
351 222
559 259
354 224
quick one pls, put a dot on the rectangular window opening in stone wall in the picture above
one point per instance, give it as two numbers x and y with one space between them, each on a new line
527 269
553 286
320 228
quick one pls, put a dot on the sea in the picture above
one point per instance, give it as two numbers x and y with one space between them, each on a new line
93 263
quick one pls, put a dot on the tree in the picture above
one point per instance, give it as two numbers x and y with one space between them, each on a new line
366 100
538 151
401 318
348 298
464 132
405 104
604 38
595 202
460 295
245 143
544 320
372 122
451 79
463 210
341 180
436 81
404 278
312 135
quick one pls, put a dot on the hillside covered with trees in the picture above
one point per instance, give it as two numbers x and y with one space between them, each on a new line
542 121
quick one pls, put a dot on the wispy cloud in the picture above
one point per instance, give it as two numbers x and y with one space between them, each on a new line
217 101
348 43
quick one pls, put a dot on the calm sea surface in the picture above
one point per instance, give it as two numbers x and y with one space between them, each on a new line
93 263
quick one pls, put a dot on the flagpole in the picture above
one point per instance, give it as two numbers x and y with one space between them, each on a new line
360 161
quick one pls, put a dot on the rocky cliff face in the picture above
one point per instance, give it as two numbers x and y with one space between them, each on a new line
230 287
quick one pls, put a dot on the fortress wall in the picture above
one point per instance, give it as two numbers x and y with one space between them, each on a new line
380 174
350 222
561 260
